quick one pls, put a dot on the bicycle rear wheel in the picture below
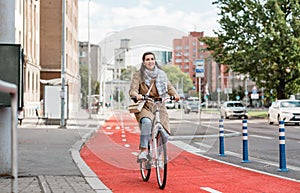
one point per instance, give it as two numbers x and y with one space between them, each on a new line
161 160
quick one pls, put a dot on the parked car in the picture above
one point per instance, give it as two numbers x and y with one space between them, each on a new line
285 109
170 104
233 109
191 106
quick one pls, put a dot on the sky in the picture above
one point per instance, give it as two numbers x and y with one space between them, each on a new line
109 16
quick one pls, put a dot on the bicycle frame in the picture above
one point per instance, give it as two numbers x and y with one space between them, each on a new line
157 154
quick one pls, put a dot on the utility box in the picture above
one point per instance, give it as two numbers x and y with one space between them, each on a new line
52 104
12 71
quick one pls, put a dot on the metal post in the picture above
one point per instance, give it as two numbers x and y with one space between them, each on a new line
62 94
245 142
200 101
89 64
200 90
12 89
219 90
221 137
282 155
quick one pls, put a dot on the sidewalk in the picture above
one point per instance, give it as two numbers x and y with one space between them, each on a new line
49 159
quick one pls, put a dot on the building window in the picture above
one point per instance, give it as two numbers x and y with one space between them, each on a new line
178 48
82 54
178 60
178 54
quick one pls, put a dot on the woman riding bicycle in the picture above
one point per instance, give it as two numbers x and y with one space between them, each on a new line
149 73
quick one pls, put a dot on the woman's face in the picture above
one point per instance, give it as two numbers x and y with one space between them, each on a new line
149 62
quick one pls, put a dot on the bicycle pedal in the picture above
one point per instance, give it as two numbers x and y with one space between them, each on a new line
141 160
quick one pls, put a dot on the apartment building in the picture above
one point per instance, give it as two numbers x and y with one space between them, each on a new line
186 51
51 52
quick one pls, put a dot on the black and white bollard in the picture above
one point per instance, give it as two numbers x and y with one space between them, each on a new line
221 137
282 155
245 142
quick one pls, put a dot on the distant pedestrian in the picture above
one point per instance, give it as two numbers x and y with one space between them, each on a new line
21 115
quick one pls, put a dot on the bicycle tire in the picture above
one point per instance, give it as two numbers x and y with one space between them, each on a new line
161 161
145 167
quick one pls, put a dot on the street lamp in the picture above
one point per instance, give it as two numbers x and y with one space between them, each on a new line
62 94
89 64
120 54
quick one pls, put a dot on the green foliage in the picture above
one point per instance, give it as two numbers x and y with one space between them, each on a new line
176 77
116 94
83 71
126 74
260 38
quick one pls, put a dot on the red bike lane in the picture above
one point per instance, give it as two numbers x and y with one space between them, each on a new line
111 154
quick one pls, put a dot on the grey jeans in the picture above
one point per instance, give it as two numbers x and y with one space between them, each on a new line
146 126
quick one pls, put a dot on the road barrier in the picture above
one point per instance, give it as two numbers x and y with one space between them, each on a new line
221 137
282 155
12 90
245 141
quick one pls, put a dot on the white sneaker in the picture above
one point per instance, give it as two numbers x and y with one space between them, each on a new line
143 156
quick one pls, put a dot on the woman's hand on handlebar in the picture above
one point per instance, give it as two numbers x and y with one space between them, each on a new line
176 97
139 97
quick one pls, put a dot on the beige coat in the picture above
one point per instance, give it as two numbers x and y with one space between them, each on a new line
138 86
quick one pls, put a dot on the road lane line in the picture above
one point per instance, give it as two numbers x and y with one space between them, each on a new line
187 147
208 189
259 136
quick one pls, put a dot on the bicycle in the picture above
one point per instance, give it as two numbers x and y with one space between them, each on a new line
157 147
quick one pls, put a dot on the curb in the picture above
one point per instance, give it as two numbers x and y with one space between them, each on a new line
88 174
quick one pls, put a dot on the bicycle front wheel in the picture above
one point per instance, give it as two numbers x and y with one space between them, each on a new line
161 160
145 166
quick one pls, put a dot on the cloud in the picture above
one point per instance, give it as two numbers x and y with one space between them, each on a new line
105 19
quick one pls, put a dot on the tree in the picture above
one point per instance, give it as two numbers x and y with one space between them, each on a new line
260 38
175 76
126 74
83 71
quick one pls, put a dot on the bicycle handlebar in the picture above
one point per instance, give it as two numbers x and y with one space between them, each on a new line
155 99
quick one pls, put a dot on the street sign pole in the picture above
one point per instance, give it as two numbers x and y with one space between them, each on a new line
199 73
200 91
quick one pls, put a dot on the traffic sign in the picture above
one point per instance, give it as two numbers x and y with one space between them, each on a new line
199 71
199 62
199 67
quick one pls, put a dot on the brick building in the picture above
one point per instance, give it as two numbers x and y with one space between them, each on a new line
51 47
188 49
